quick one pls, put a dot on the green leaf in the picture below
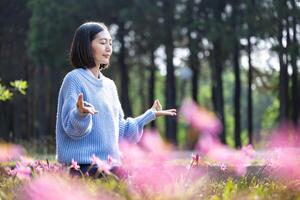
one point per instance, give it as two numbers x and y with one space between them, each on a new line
5 94
20 85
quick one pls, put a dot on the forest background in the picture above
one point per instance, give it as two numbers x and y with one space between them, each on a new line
239 59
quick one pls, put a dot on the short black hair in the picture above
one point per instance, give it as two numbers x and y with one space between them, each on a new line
81 55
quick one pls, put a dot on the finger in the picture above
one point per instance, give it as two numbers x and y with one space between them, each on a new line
80 101
90 106
158 105
165 113
91 110
88 110
171 110
154 103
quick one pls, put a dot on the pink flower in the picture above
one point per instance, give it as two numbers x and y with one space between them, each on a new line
39 170
199 118
104 167
282 155
27 161
195 161
221 153
152 142
196 158
95 159
10 172
223 167
23 172
111 160
52 187
10 152
101 165
74 165
284 136
155 178
249 151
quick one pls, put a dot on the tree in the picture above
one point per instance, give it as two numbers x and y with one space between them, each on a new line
168 9
147 40
283 74
236 56
15 64
294 49
194 28
213 12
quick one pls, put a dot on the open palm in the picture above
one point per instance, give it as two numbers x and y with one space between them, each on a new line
157 108
85 108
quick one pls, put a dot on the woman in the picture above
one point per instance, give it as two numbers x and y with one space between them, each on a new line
90 120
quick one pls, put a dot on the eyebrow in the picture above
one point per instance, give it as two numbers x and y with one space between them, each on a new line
105 39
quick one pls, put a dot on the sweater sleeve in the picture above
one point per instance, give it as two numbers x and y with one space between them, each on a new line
74 124
131 129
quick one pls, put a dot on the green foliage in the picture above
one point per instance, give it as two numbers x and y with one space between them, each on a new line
52 25
8 185
229 190
20 85
271 115
6 93
202 187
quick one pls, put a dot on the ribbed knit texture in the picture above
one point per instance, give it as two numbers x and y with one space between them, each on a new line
78 136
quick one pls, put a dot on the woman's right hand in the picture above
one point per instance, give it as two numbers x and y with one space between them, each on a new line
84 109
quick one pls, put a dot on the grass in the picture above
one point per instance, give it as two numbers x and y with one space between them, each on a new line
207 186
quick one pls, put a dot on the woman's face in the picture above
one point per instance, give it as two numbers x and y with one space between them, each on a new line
102 47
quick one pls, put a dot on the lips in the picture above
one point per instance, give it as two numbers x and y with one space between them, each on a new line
106 55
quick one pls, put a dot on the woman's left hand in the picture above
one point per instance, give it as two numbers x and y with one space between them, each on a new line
157 108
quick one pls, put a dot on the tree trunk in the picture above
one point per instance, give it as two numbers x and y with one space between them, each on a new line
237 88
237 95
41 106
30 76
218 85
152 82
193 47
171 125
294 54
124 72
250 120
142 85
283 74
14 62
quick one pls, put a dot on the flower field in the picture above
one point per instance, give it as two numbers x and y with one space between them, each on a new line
157 171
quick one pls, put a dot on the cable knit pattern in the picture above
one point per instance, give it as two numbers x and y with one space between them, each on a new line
80 136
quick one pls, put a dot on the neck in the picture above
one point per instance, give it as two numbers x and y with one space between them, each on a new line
95 70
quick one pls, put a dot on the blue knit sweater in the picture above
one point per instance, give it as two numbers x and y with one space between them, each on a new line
80 136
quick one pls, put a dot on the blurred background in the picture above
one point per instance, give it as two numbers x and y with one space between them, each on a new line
239 59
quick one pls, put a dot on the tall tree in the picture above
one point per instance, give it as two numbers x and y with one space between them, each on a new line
237 86
123 69
15 64
147 40
251 16
193 40
214 11
294 48
283 73
168 9
52 23
119 13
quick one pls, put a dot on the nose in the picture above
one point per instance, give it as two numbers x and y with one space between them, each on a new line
108 48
